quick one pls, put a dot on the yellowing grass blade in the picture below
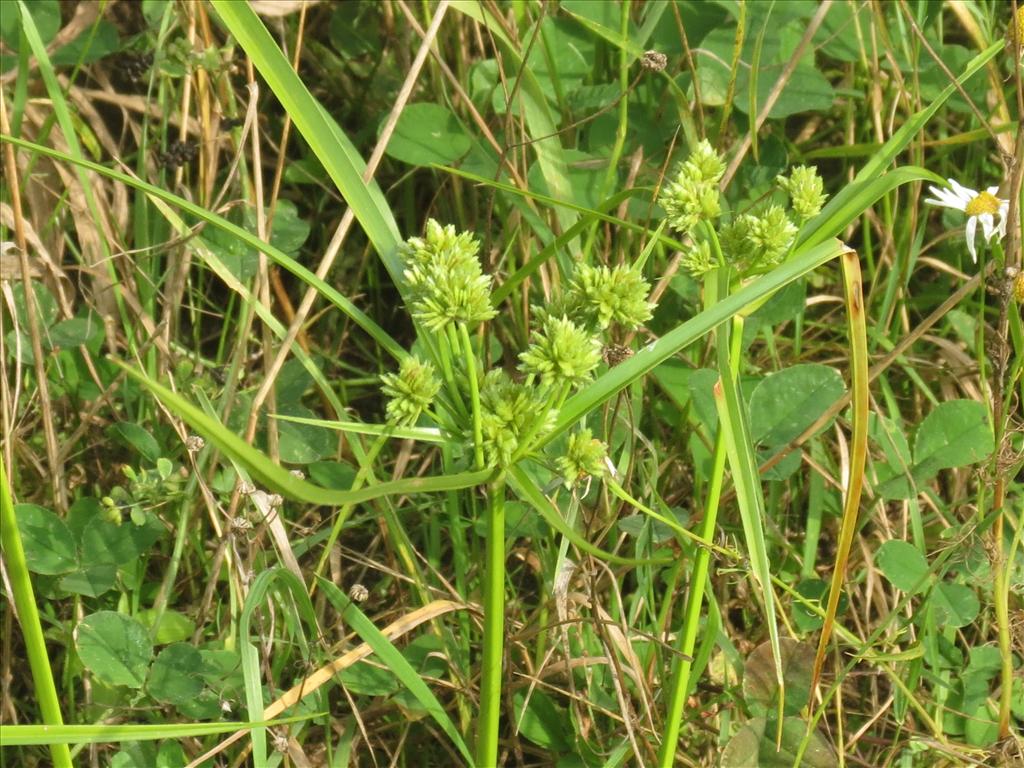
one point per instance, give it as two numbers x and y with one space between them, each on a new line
858 446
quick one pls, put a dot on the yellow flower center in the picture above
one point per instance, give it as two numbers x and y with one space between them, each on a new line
985 202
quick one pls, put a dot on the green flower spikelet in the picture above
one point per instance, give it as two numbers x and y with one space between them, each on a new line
584 456
561 353
693 195
411 390
772 234
445 279
510 412
604 295
805 189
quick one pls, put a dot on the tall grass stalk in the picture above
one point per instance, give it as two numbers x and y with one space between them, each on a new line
28 617
489 720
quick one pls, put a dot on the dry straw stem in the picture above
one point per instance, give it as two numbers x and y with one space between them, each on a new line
308 685
57 484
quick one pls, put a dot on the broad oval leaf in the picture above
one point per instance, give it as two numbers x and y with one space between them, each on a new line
760 686
174 677
428 133
786 403
903 565
955 605
114 647
954 434
754 746
48 543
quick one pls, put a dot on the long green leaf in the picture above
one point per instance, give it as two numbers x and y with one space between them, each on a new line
739 448
274 254
328 142
279 479
645 360
423 434
31 735
23 595
286 582
395 661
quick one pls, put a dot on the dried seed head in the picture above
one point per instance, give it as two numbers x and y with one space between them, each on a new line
194 443
240 525
358 593
653 61
613 354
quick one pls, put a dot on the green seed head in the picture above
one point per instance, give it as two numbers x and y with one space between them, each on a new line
805 189
445 279
561 352
510 413
607 295
411 390
585 456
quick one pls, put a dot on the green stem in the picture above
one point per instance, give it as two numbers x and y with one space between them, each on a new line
687 639
474 395
28 616
494 629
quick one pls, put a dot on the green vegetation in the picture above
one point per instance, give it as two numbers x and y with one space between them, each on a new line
567 383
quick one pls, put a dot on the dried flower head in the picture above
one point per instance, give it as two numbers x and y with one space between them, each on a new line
411 390
653 61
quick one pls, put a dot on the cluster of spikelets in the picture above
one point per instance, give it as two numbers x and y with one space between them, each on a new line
450 294
750 242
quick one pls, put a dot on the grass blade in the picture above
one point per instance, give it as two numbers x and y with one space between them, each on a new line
395 661
274 254
328 142
279 479
739 448
857 324
31 735
28 616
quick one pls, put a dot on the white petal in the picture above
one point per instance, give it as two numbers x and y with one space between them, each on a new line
963 192
972 224
946 198
988 225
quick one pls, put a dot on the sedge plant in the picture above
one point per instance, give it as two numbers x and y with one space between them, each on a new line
502 417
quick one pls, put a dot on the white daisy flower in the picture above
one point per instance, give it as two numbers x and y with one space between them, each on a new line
979 206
